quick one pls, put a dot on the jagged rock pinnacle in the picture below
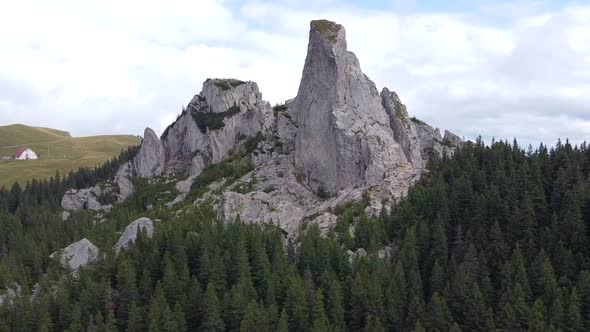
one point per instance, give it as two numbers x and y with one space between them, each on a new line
331 33
149 160
344 137
336 140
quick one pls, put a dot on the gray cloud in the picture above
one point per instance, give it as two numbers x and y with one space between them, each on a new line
89 69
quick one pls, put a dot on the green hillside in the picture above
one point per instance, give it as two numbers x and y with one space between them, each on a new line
57 150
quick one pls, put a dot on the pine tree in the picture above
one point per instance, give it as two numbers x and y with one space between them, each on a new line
574 317
283 325
135 320
319 319
211 311
297 305
455 328
193 311
99 322
179 320
252 320
127 290
158 309
537 320
76 324
439 313
545 284
110 324
334 300
397 298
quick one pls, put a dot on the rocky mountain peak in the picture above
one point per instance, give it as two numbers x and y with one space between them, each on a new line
328 34
337 140
344 137
222 95
149 160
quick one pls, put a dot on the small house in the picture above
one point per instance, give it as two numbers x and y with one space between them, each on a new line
25 154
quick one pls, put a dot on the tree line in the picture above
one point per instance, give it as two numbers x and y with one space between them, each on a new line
493 238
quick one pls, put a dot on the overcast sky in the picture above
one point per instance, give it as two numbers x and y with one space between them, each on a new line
504 70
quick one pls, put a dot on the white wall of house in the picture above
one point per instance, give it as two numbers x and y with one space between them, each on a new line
27 154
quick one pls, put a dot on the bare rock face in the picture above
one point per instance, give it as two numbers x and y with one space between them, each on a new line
224 115
125 185
260 208
76 255
419 141
131 231
85 199
149 161
344 137
337 140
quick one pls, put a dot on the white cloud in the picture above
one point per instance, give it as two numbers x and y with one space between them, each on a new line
96 67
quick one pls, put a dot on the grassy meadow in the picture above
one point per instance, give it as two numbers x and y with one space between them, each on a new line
57 150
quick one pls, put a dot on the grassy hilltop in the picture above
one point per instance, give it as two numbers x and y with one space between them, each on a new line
57 150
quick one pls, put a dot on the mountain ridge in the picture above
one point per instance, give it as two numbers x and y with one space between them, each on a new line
336 141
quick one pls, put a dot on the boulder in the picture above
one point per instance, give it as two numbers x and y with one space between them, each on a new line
131 231
386 253
84 199
352 255
76 255
326 222
126 187
12 291
260 208
65 215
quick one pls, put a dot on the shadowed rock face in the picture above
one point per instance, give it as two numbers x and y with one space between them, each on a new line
344 137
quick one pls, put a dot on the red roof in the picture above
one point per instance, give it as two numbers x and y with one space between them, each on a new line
20 152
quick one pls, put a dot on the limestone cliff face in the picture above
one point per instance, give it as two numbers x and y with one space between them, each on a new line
344 137
337 139
149 161
419 141
216 121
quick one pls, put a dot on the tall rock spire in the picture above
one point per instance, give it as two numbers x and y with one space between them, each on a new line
344 137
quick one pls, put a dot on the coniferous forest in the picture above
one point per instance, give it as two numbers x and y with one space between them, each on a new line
494 238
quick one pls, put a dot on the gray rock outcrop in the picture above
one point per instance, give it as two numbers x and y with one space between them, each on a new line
65 215
223 116
149 161
260 208
338 139
125 185
344 137
131 231
12 291
76 255
86 199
